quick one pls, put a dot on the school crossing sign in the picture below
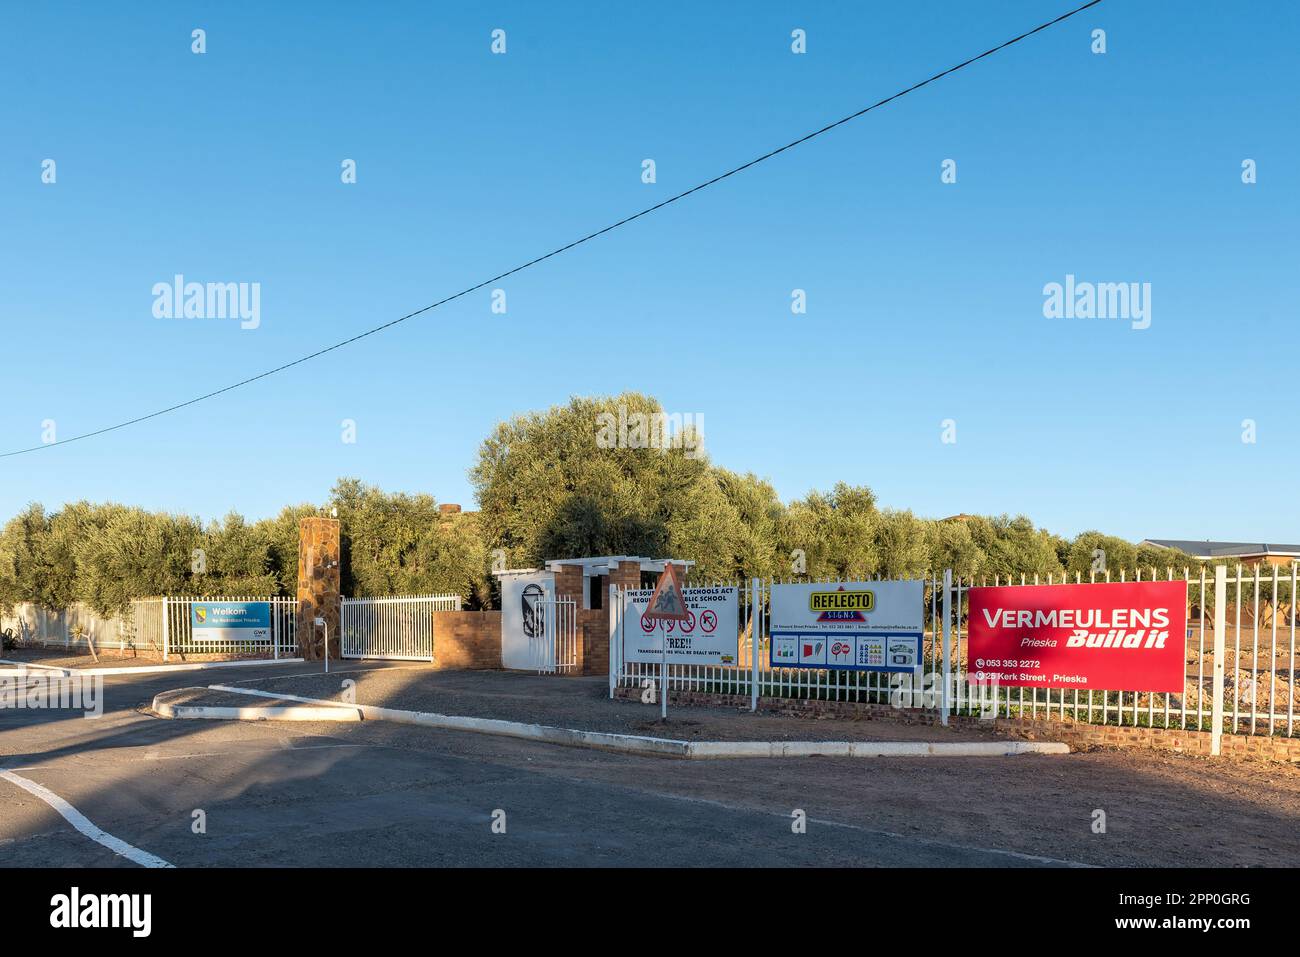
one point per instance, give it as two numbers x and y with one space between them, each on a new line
848 626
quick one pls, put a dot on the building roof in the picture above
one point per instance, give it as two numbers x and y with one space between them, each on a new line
1209 549
603 564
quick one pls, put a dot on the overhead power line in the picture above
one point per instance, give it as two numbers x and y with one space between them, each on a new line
562 249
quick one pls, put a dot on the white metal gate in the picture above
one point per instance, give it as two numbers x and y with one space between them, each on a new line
556 627
400 629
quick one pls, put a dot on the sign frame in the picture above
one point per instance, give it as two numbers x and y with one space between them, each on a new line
848 622
987 641
252 621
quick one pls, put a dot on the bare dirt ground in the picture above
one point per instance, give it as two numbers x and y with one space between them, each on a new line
581 703
58 658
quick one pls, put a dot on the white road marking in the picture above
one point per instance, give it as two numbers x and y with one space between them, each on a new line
909 838
197 754
83 824
216 754
334 671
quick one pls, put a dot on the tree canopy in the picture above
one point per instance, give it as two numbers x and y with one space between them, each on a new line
575 480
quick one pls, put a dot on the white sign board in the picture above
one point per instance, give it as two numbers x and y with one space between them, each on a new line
708 636
848 626
523 639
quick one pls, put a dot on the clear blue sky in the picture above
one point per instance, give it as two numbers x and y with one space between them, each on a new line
924 299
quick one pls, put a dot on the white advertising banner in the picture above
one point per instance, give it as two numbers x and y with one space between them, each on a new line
708 636
848 626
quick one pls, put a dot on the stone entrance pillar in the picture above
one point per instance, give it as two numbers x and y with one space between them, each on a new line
318 585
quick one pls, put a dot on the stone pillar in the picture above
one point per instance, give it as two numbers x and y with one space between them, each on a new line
318 585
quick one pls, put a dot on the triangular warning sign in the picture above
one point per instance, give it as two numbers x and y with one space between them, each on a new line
667 603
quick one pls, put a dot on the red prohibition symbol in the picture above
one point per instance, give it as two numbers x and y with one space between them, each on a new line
688 625
708 621
647 625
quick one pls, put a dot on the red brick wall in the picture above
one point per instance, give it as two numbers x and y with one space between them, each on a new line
593 628
628 575
592 624
467 639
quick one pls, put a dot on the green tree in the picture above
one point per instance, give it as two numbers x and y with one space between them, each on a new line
24 574
562 484
835 532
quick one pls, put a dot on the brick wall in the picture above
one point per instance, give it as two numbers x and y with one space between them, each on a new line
1076 734
467 639
593 623
627 575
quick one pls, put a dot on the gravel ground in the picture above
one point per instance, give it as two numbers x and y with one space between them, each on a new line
60 659
581 703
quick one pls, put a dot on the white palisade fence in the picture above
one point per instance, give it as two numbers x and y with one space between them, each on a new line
398 628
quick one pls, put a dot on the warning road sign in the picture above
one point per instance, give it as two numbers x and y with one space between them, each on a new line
667 602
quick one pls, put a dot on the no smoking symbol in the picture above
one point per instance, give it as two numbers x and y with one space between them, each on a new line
708 621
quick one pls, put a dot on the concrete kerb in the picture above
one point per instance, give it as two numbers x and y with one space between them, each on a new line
165 709
658 747
22 669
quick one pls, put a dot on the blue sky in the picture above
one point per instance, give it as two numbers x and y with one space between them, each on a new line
924 299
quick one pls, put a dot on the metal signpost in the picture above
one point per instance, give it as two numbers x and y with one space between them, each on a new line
666 604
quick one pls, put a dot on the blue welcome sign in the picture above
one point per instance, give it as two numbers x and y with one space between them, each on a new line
231 620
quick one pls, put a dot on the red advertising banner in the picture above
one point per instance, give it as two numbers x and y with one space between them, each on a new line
1116 636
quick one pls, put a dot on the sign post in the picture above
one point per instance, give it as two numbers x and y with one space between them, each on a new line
1220 625
322 623
947 643
666 604
755 642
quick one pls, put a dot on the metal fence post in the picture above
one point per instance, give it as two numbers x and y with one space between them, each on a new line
165 628
1220 613
947 642
755 642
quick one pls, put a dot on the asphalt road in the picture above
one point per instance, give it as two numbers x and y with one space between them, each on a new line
379 794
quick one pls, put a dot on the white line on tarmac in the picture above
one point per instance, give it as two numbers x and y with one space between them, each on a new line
332 671
195 754
908 838
216 754
859 828
83 824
